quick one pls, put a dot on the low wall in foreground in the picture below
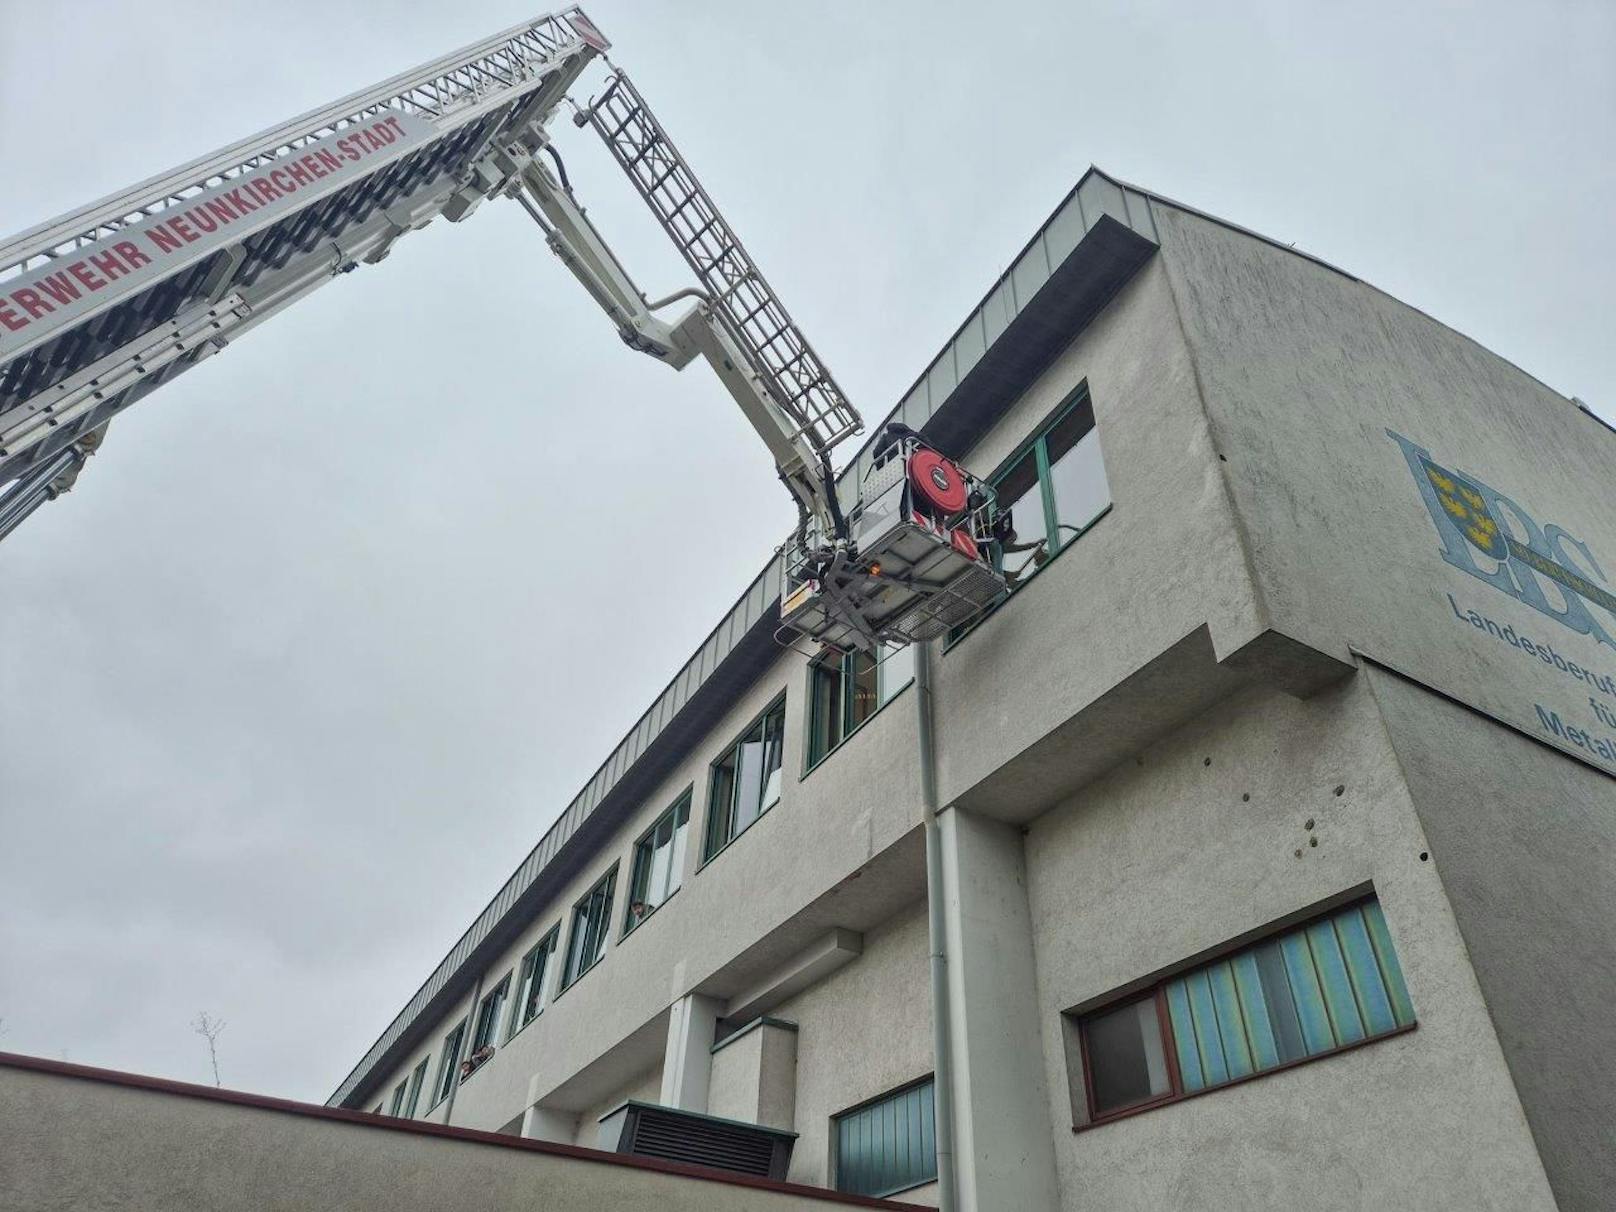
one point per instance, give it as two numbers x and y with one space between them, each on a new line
73 1137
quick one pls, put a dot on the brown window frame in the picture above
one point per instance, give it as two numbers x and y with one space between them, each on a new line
1156 990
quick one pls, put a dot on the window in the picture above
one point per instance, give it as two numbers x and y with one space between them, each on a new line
591 922
889 1144
1054 489
417 1080
530 982
746 780
448 1060
486 1031
659 863
399 1092
847 689
1303 994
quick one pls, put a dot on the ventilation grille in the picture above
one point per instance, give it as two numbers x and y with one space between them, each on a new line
701 1143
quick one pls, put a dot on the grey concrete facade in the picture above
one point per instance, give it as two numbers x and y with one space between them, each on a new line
1273 677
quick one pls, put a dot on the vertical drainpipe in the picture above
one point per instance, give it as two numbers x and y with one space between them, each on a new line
465 1040
941 1039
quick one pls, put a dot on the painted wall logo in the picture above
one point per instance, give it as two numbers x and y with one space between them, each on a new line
1494 539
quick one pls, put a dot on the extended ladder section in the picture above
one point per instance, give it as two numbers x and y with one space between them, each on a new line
105 304
755 316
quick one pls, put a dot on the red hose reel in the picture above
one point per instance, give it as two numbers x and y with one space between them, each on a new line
937 483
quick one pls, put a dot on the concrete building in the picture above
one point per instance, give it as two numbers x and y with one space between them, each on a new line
1290 755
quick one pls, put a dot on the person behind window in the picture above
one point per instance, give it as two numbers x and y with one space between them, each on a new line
1004 533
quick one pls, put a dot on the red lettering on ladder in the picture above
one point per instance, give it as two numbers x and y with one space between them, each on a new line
109 264
162 240
31 303
59 287
131 255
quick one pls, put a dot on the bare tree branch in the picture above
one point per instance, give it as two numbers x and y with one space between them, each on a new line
210 1028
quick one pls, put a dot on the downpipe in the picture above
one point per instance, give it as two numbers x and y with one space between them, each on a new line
942 1040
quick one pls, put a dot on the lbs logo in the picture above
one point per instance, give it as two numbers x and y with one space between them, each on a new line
1478 526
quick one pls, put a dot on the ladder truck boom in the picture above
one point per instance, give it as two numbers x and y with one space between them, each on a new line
104 305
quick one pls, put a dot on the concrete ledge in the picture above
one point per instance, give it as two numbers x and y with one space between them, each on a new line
78 1136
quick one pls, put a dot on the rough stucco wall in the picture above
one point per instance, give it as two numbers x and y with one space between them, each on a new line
76 1144
1165 561
861 1031
755 1078
777 1079
1163 860
1304 371
1525 842
733 1090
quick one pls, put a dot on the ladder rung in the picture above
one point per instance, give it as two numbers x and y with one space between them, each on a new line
657 184
644 146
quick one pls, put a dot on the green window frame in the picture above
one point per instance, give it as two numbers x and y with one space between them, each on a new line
745 782
448 1062
591 924
417 1079
530 982
486 1032
1060 471
846 690
888 1144
1309 991
659 863
399 1093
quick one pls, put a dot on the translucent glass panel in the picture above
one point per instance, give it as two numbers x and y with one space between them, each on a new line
530 983
488 1016
413 1100
1077 485
1302 994
659 862
591 923
1305 993
847 689
448 1059
888 1145
746 780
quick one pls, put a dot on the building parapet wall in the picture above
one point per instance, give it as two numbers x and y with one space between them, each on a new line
77 1135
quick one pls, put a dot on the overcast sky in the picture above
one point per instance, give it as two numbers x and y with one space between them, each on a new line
338 622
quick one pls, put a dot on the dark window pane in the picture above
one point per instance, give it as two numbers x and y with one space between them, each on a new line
826 708
866 695
1020 495
1127 1063
1281 1006
721 806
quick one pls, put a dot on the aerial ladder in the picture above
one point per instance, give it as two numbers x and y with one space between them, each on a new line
104 305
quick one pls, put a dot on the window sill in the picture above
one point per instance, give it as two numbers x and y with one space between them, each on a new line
1174 1100
649 914
864 723
891 1191
970 628
737 837
523 1027
574 981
